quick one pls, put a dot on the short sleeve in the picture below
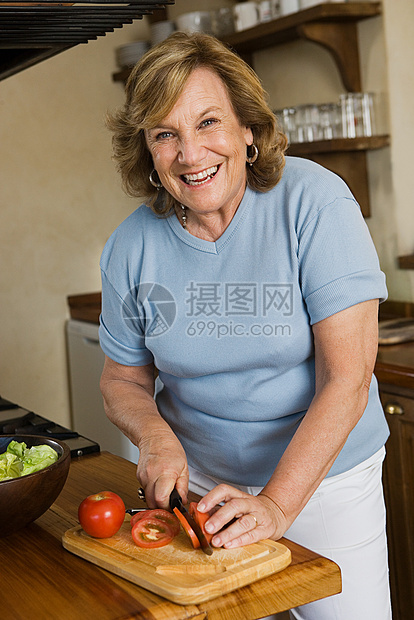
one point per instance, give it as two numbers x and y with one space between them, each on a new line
338 263
120 333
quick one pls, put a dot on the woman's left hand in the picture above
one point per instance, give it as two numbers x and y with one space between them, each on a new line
252 518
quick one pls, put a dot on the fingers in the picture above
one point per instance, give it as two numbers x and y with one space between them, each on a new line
157 492
182 486
158 488
244 531
162 466
220 493
242 520
233 524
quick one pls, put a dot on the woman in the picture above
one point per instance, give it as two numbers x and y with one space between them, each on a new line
252 285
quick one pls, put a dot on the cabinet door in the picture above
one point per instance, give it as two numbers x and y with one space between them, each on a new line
399 498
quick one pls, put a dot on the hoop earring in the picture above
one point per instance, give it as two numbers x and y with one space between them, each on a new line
252 158
156 184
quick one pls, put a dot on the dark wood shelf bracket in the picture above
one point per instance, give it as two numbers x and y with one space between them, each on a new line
351 166
341 40
347 158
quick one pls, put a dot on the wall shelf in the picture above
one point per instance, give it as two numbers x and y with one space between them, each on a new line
339 144
332 25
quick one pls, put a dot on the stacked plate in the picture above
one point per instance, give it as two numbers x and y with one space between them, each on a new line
161 30
196 21
129 54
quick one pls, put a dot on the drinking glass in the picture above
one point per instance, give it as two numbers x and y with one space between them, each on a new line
330 121
358 117
287 122
307 123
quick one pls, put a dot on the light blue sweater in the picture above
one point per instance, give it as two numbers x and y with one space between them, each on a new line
228 323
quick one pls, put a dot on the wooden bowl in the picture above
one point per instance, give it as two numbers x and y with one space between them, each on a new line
24 499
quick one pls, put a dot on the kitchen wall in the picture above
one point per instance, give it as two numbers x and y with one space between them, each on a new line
60 196
60 199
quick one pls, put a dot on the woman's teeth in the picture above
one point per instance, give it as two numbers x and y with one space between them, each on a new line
200 177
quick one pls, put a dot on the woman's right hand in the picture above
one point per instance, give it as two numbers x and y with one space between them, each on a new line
162 466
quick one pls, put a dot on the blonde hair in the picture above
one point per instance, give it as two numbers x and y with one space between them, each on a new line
152 90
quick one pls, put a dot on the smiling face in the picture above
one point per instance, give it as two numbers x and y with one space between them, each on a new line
199 148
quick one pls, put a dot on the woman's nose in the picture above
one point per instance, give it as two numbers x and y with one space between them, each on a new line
191 151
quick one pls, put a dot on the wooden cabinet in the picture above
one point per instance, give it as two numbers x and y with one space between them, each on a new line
395 373
398 405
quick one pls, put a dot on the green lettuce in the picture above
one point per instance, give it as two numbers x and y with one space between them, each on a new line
16 448
19 460
10 466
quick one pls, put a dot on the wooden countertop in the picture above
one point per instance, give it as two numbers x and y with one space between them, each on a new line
42 580
395 364
86 307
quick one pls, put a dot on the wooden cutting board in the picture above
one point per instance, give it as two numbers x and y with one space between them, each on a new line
178 572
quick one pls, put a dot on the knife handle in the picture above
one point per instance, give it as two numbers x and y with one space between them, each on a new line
175 500
141 494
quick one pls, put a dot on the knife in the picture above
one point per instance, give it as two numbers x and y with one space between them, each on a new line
141 496
176 502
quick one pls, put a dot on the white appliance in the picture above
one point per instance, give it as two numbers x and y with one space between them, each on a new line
86 360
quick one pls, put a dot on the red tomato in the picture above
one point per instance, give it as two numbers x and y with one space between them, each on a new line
140 515
101 515
151 533
200 518
161 515
187 529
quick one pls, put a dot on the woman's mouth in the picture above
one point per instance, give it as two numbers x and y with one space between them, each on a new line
200 177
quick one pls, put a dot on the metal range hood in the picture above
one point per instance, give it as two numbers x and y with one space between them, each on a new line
38 29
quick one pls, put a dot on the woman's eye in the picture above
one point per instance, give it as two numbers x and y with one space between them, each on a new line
163 135
208 122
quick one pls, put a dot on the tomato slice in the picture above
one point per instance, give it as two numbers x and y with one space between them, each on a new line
161 515
201 519
138 516
187 528
151 533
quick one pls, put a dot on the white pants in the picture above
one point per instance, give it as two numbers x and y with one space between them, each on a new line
345 521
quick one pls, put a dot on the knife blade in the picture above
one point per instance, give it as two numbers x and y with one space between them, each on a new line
176 502
134 511
141 496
